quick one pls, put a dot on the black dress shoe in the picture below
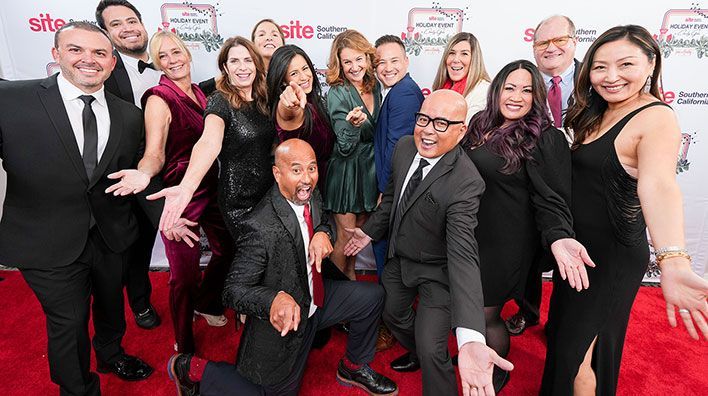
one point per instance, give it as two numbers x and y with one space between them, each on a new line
367 379
148 319
126 367
516 324
406 363
178 370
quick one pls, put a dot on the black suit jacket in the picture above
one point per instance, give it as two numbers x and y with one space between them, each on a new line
434 238
118 83
49 198
270 257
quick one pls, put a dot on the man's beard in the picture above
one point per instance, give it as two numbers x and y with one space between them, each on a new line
137 52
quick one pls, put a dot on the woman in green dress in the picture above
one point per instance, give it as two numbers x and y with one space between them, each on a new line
353 102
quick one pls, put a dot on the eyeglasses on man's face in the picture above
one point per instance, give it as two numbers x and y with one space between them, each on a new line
557 41
439 124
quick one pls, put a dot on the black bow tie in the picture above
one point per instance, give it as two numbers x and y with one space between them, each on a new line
142 65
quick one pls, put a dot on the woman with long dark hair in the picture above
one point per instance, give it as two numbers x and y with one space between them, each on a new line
525 164
623 182
296 104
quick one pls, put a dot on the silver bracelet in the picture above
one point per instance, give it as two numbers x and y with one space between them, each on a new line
670 249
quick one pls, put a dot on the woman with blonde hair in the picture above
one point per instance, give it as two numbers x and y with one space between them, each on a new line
462 70
353 102
173 124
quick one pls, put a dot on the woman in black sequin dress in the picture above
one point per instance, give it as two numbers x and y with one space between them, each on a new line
238 130
624 172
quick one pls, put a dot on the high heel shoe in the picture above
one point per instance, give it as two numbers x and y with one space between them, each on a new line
213 320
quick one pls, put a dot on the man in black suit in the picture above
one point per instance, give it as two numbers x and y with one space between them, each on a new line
428 213
554 51
276 281
59 139
131 77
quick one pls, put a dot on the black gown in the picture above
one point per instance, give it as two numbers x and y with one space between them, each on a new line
246 158
520 213
609 223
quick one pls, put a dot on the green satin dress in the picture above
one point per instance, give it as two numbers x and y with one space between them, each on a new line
351 173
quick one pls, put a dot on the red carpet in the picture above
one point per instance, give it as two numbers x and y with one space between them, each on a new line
657 360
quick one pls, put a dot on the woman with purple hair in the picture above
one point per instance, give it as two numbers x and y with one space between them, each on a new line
525 164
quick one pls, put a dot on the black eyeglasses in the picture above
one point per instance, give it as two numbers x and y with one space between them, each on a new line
439 124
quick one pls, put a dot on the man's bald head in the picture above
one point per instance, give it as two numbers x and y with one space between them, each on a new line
295 170
444 105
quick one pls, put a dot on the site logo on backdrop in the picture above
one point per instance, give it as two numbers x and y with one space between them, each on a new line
296 29
194 23
583 34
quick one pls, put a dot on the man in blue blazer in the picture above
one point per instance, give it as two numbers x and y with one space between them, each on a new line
402 99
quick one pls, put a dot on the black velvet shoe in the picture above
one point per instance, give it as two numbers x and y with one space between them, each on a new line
406 363
367 379
178 370
148 319
516 324
126 367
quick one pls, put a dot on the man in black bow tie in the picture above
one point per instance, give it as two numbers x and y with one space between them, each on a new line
132 76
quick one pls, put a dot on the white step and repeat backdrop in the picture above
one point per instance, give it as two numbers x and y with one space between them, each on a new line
504 30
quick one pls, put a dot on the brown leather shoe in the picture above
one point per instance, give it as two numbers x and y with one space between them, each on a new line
385 339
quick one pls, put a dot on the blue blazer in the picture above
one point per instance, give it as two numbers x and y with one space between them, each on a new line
396 119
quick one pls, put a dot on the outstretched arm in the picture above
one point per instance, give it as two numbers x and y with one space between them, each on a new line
204 153
157 124
662 206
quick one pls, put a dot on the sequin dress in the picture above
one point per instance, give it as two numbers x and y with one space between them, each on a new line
608 221
245 158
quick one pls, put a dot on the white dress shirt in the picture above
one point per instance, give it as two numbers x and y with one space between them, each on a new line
300 213
139 82
464 335
75 108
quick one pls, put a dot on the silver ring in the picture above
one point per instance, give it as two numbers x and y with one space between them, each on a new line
683 310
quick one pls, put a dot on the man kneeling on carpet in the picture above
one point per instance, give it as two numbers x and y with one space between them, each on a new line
277 282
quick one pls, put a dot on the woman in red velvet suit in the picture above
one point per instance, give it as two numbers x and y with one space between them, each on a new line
173 124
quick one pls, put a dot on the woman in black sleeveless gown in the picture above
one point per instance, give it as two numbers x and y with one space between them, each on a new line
622 130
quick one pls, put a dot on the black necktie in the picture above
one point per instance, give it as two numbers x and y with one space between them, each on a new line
90 135
411 187
142 65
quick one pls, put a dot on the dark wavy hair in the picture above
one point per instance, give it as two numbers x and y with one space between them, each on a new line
585 115
259 92
275 79
516 141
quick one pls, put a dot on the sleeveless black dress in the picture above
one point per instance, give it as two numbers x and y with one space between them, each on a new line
608 221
